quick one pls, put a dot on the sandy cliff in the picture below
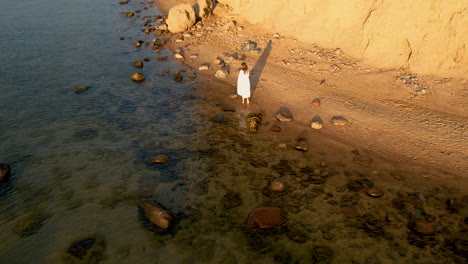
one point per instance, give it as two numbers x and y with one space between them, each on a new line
426 36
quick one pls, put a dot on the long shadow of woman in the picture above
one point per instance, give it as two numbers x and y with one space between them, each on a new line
258 68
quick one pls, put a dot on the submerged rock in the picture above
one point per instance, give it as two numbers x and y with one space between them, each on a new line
130 14
422 227
277 186
161 58
89 250
321 254
123 2
138 64
160 159
137 77
231 200
157 215
266 217
29 225
178 78
81 90
5 170
284 117
302 145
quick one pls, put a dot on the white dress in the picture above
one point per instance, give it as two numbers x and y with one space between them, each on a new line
243 84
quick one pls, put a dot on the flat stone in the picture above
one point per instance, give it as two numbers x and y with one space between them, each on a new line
203 68
302 145
130 14
284 117
81 90
363 160
161 58
5 170
275 128
374 192
160 159
192 75
339 121
266 217
422 227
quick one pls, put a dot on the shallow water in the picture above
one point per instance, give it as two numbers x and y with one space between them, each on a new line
80 161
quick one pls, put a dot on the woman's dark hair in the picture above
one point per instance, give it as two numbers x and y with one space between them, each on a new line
246 68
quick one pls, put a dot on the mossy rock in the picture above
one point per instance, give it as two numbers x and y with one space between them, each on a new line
90 250
29 225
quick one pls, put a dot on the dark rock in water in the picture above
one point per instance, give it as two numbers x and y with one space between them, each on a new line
4 172
249 46
86 134
322 254
89 250
453 205
231 200
29 225
147 59
80 90
157 214
302 145
138 64
130 14
123 2
227 108
178 78
161 58
363 160
297 235
160 159
283 168
122 37
259 163
137 77
221 119
266 217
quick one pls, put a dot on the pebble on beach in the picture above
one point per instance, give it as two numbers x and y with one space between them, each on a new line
160 159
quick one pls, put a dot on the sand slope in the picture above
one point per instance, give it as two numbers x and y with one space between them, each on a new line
427 36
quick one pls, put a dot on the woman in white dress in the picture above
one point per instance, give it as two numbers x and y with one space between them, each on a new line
243 83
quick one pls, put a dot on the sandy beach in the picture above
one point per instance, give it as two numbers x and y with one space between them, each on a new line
410 122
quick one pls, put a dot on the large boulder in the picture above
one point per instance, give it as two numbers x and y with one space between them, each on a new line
203 8
180 18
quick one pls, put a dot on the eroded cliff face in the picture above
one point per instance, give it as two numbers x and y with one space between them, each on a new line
426 36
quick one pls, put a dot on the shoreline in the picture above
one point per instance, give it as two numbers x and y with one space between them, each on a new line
406 121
